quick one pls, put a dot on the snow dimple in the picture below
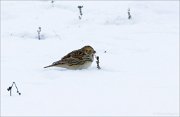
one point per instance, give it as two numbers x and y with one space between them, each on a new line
138 58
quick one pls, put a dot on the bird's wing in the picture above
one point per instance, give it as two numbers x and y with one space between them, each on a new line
73 58
71 61
76 54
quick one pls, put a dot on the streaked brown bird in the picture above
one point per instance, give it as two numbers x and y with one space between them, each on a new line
77 59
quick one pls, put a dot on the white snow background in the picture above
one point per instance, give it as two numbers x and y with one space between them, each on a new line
140 69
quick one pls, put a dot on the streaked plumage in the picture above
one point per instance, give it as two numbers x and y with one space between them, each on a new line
77 59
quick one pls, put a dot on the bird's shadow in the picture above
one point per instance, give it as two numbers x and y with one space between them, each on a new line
58 69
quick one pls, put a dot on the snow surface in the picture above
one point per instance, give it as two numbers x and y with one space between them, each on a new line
140 70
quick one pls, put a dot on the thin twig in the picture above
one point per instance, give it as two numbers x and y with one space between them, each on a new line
97 57
10 88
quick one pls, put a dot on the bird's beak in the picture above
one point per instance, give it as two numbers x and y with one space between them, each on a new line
94 52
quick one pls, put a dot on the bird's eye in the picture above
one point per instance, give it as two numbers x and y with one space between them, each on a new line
88 51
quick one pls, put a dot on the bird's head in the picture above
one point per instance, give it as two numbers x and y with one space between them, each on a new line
88 50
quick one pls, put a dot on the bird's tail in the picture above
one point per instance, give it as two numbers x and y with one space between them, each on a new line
48 66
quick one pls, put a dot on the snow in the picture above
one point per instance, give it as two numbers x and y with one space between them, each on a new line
139 75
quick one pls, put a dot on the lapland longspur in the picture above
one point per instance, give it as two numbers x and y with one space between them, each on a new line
77 59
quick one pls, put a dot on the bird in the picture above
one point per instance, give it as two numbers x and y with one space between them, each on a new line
77 59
